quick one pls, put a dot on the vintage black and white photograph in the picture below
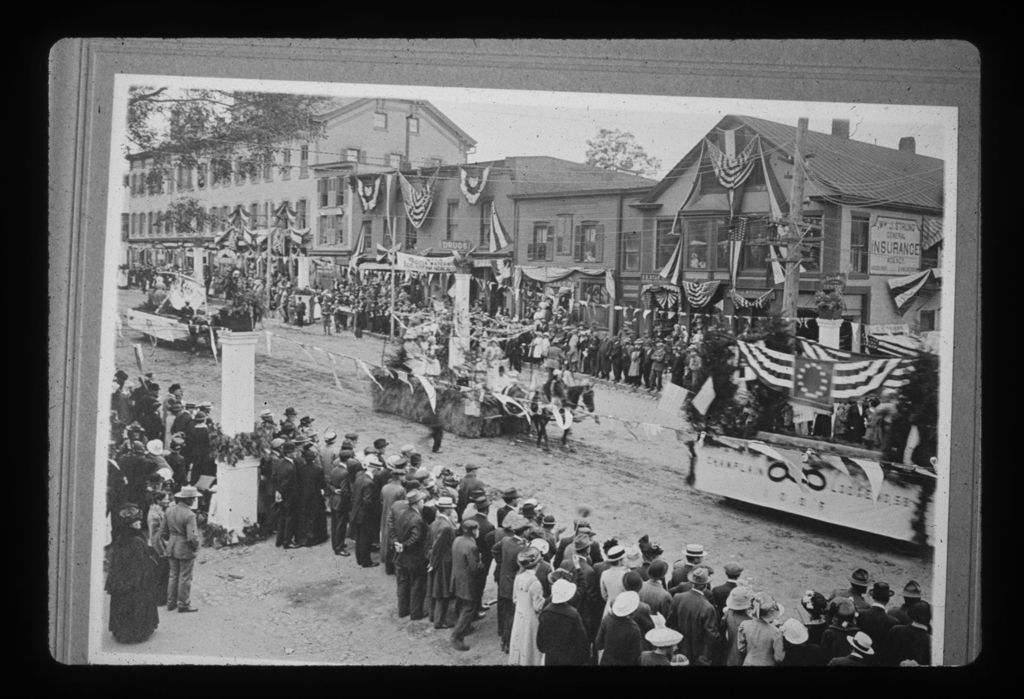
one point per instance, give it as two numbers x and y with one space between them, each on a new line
395 374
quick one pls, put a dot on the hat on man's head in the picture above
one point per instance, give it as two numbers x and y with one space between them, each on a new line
861 643
860 577
121 375
265 413
410 483
396 461
206 405
738 599
472 467
380 443
156 447
408 449
421 474
138 448
562 590
625 603
188 491
330 436
616 553
290 412
881 591
276 443
663 637
288 447
351 436
699 576
445 503
548 522
306 420
369 450
470 525
346 444
733 570
510 493
912 590
658 569
694 550
415 496
794 631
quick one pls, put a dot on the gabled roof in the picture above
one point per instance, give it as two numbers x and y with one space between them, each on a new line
342 106
850 171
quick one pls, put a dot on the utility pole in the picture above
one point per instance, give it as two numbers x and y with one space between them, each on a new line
791 286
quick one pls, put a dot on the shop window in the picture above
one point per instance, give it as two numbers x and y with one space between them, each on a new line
859 236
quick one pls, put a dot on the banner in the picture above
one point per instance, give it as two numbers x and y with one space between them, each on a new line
867 497
705 397
430 265
895 246
812 382
673 398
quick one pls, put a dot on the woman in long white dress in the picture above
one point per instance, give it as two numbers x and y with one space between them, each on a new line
528 595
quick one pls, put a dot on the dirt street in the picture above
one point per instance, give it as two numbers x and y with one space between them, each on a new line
261 603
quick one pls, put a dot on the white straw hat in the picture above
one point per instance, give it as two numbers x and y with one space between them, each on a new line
625 603
663 636
562 591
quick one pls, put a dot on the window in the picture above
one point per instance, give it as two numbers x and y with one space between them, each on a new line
265 218
931 258
304 162
324 230
239 172
394 160
149 223
268 169
666 241
286 164
254 214
542 246
755 257
927 321
810 251
366 231
300 214
324 185
563 235
201 176
340 185
631 252
590 242
410 237
351 155
331 231
380 121
486 209
698 235
859 227
124 182
451 220
125 226
414 124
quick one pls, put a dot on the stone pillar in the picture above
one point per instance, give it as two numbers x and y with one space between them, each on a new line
235 495
303 281
198 263
828 331
458 344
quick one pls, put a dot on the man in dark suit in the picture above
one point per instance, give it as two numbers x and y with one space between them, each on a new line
859 581
505 552
511 498
286 495
876 621
485 541
339 501
693 615
361 515
468 483
467 571
911 596
911 643
720 593
410 558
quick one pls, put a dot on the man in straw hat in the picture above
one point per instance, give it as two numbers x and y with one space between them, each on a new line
440 537
665 641
467 570
861 652
410 558
693 557
619 637
693 615
180 532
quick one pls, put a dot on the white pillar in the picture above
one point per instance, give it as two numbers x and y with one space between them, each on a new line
198 260
234 501
458 344
303 271
828 331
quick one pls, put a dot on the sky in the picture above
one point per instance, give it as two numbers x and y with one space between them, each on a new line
520 122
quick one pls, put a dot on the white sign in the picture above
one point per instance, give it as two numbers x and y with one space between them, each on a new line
417 263
895 246
856 494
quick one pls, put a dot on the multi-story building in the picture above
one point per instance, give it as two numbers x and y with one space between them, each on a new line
360 135
873 214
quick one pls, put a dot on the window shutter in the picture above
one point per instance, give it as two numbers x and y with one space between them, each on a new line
577 243
599 243
549 243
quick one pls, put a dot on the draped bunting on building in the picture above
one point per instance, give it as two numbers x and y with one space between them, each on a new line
368 190
905 289
357 248
760 303
472 183
700 294
499 239
732 169
851 379
664 296
737 236
417 199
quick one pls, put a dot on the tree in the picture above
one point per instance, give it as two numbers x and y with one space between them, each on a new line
186 215
618 150
187 126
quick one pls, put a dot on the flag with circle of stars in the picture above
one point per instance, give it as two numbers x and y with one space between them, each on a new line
812 382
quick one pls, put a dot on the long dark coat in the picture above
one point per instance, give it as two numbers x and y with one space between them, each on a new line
362 499
505 554
440 537
486 535
876 623
466 567
411 532
311 487
621 641
131 584
561 636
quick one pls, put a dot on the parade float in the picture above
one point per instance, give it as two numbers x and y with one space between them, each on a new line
745 448
160 319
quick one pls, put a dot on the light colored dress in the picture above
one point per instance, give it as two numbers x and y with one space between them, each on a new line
528 595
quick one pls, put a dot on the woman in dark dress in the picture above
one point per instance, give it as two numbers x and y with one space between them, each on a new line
131 580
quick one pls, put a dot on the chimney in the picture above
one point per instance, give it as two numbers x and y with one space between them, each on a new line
907 144
841 128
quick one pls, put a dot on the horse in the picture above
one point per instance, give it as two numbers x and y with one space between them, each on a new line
577 396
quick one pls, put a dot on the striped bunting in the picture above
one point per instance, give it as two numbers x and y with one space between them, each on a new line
499 239
904 289
732 170
895 345
672 272
417 200
699 294
851 379
368 190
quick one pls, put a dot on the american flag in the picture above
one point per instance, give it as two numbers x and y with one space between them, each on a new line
672 272
737 234
499 239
